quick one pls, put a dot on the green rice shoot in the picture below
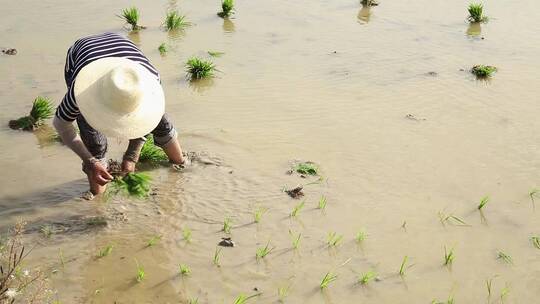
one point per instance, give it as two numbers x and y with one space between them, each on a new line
448 256
403 267
483 202
334 239
215 53
193 301
504 292
162 48
152 153
536 241
131 17
452 219
327 279
186 234
258 213
242 299
296 210
153 240
42 109
322 203
227 225
360 236
140 272
533 194
227 7
184 270
283 292
296 238
476 13
307 168
175 21
198 68
483 71
105 251
262 252
217 257
365 278
504 257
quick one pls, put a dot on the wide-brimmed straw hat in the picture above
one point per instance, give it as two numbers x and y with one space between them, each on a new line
119 97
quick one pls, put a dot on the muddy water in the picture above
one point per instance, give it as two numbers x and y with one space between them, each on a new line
330 82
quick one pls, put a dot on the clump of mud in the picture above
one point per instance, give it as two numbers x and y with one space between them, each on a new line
10 51
295 192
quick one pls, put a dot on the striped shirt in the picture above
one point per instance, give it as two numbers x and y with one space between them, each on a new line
88 49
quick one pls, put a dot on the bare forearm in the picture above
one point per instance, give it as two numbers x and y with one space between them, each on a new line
70 138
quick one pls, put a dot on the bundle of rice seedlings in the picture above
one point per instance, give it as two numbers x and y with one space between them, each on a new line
198 68
131 17
175 21
307 168
483 71
42 109
152 153
476 13
227 7
162 48
133 184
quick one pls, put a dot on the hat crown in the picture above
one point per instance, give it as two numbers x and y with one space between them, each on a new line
121 89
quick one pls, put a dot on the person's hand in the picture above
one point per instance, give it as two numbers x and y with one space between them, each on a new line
99 173
128 166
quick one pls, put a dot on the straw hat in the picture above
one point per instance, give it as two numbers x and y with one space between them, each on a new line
119 97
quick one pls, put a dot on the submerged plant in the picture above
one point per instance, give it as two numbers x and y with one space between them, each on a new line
215 53
536 241
133 184
334 239
227 7
297 208
227 225
367 277
307 168
483 202
186 234
450 218
262 252
42 109
198 68
327 279
105 251
322 203
533 193
448 256
217 257
131 17
259 212
140 272
184 270
175 21
449 301
476 13
402 268
152 153
283 292
154 240
504 292
162 48
360 236
505 257
483 71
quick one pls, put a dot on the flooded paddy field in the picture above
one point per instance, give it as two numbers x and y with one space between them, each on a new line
408 142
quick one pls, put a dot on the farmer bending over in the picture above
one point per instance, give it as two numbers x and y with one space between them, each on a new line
112 90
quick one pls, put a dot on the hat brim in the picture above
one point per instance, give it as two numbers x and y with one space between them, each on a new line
139 122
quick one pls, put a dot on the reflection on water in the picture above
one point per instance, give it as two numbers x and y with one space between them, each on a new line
171 5
176 35
135 37
364 14
228 25
201 85
474 29
46 136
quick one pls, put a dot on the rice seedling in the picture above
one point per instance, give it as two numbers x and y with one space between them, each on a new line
322 203
283 292
334 239
505 257
46 230
483 202
193 301
152 153
131 17
140 272
476 13
153 241
162 48
489 283
448 256
105 251
186 234
133 184
327 279
42 109
365 278
262 252
297 209
215 53
450 218
227 7
259 212
61 257
227 225
217 257
295 239
198 68
242 298
360 236
533 193
402 268
449 301
307 168
483 71
369 2
536 241
504 292
175 21
184 270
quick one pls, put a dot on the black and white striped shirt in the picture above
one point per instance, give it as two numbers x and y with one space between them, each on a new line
88 49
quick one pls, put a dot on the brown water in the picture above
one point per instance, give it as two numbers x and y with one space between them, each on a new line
326 81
